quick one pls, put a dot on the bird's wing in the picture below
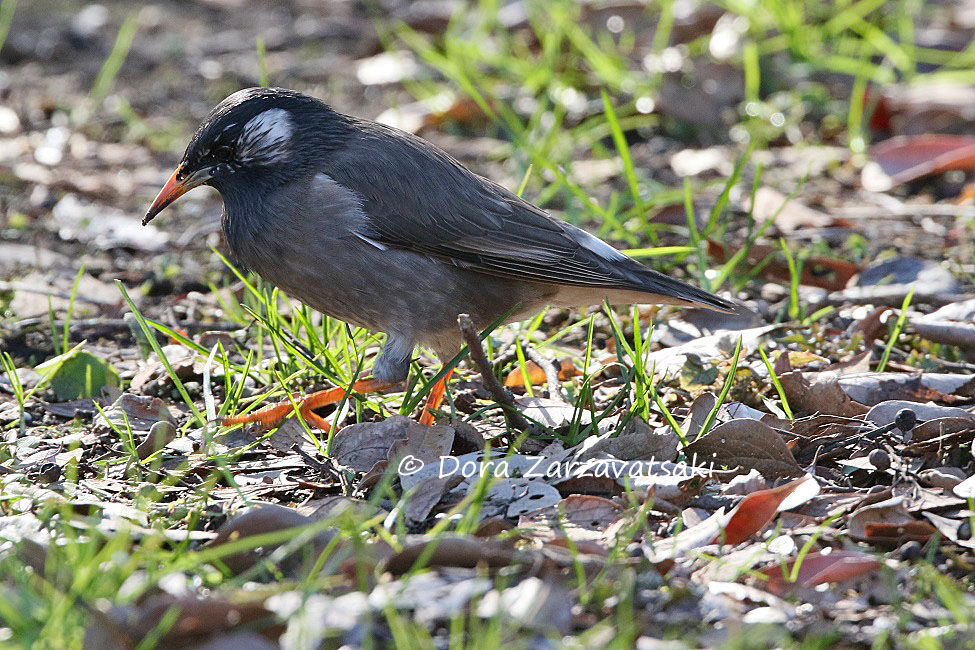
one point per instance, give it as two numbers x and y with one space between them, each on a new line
418 198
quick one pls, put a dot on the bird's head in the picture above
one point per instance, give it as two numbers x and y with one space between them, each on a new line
253 140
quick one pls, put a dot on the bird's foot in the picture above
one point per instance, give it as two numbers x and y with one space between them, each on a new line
434 399
271 416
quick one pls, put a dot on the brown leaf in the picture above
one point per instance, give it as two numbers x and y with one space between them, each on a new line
639 441
822 395
820 568
823 272
426 496
265 518
337 505
427 444
759 508
196 621
140 411
896 534
361 446
492 527
516 378
697 414
451 551
581 517
892 512
748 444
291 433
160 434
906 158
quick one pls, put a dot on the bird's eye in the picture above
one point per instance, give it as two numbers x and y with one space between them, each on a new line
223 153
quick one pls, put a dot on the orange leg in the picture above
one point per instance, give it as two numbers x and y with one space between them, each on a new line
434 399
271 416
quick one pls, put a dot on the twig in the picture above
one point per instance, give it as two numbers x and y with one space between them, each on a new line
890 295
120 324
512 417
552 382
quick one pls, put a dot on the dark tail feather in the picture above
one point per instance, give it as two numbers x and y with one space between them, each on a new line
651 281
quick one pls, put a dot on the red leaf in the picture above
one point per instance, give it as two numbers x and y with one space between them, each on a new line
823 272
897 533
820 568
755 512
906 158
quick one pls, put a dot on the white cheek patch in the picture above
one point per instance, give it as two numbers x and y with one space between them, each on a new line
265 137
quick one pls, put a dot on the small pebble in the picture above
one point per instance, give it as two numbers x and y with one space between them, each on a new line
879 459
965 530
912 550
905 420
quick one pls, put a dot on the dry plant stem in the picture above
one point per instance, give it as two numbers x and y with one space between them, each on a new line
512 417
552 382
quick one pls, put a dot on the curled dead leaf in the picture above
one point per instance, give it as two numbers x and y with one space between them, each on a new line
259 520
823 272
906 158
819 568
191 620
823 394
744 443
516 378
451 551
759 508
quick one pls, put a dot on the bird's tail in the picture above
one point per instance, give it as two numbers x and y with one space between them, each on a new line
658 284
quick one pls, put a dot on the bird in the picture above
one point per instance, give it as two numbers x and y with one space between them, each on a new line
382 229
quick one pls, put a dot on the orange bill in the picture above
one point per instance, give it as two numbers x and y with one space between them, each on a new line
177 185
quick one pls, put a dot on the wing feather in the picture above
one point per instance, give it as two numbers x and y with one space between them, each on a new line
418 198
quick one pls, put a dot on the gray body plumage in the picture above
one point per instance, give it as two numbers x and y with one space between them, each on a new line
383 230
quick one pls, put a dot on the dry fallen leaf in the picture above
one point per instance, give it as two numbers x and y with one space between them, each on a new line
451 551
262 519
821 395
820 568
426 444
552 413
906 158
140 411
872 388
361 446
637 441
196 621
580 517
745 443
823 272
951 529
701 534
759 508
790 214
953 324
864 523
516 378
886 412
